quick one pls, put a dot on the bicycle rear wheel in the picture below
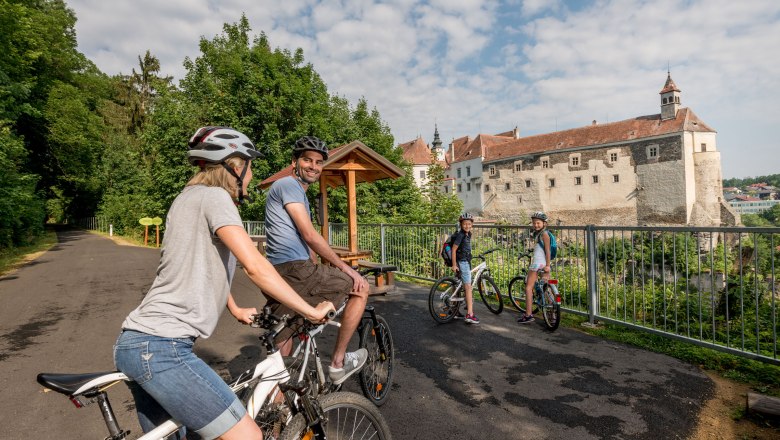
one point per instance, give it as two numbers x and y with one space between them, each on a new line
347 416
517 292
377 375
490 294
442 309
551 309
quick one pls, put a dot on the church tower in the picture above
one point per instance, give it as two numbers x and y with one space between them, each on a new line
436 144
670 98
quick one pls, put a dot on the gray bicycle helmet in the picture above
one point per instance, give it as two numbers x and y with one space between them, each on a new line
310 143
540 215
217 144
465 216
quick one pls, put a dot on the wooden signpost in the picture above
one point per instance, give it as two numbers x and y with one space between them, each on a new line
146 221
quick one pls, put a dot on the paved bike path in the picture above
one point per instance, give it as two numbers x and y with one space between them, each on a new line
62 312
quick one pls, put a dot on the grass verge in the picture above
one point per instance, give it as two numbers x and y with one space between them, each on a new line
13 258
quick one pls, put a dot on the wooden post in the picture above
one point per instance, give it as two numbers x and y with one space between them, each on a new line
352 210
146 234
157 227
324 207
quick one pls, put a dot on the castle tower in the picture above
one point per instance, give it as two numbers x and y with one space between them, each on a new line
670 98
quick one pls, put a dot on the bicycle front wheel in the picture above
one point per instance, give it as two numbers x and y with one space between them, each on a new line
551 309
490 294
517 292
377 375
347 416
440 303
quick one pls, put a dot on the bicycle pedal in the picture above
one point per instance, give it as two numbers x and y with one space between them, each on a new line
457 298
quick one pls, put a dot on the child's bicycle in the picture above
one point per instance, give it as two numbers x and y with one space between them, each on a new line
298 415
545 298
447 297
375 377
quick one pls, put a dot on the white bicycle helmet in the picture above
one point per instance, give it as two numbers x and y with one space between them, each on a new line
217 144
465 216
540 215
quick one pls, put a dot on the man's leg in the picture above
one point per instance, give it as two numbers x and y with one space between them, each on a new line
353 312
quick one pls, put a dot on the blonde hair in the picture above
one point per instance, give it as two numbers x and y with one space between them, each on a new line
214 174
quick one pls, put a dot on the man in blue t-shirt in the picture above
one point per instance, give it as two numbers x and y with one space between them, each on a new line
293 246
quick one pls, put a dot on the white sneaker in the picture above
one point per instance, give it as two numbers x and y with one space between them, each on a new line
353 361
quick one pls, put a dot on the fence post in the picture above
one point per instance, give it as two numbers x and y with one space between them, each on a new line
592 264
382 241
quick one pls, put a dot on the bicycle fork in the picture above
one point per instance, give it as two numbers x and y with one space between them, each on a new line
376 331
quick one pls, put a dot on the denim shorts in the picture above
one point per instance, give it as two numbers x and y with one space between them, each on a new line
465 271
171 381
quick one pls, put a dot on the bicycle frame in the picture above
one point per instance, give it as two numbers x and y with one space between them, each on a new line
265 377
476 272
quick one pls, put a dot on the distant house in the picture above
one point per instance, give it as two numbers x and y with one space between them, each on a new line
751 205
420 156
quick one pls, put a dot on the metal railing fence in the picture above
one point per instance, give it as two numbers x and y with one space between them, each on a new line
716 287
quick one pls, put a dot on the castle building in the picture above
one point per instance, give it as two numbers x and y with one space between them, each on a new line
661 169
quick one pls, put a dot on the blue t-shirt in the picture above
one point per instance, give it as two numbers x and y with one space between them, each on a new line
284 242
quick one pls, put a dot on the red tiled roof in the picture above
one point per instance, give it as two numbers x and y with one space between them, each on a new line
669 86
598 134
478 146
416 152
746 199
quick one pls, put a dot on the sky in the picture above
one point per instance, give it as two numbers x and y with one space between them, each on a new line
471 66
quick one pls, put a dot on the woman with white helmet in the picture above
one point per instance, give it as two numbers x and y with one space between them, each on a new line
539 262
204 237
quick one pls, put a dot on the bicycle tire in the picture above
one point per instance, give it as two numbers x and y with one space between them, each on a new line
442 310
517 292
551 309
490 294
376 376
346 416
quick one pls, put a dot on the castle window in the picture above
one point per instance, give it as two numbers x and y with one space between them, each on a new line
613 157
663 101
519 199
492 170
595 179
616 178
575 161
487 188
468 186
458 173
578 180
527 183
507 186
545 164
519 166
552 183
703 147
446 190
652 151
422 174
468 171
579 197
460 188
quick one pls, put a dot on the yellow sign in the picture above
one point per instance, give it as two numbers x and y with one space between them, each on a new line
146 221
156 221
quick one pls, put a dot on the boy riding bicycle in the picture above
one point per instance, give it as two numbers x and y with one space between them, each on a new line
540 261
461 251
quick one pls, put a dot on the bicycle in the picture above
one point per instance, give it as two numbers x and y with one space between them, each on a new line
447 295
545 297
298 415
374 332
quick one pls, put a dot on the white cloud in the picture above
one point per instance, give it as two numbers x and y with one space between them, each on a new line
474 66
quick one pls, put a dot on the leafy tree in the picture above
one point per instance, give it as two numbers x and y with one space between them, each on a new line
442 207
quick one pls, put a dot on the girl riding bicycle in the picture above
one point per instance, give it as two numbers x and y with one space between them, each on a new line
203 239
540 261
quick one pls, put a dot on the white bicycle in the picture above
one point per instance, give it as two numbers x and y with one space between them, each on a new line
447 296
299 415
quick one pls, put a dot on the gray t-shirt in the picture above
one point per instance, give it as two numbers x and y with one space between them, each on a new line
284 241
196 268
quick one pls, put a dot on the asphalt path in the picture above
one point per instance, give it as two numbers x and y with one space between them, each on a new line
61 313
